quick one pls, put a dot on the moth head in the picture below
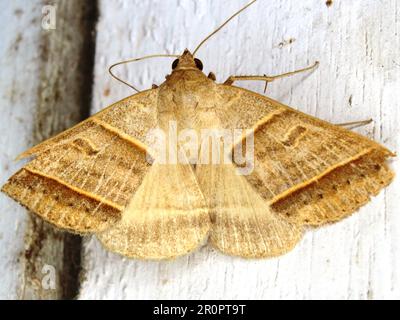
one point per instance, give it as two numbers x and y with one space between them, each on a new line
187 61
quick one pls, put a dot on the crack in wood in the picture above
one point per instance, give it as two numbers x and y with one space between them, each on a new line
64 98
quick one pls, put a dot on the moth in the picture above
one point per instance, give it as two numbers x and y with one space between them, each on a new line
97 177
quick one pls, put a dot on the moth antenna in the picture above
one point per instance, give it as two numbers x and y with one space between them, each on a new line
134 60
222 25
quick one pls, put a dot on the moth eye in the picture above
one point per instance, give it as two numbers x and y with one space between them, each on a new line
175 64
199 64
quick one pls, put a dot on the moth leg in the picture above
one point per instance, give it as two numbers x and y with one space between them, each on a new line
266 78
355 124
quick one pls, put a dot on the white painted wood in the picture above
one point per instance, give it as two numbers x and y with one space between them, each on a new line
18 95
41 94
357 43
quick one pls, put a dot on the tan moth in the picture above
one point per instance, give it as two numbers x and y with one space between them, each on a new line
104 177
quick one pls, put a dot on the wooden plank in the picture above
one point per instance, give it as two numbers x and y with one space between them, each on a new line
46 89
18 90
357 44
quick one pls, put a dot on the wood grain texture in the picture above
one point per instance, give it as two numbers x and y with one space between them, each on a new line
45 76
18 89
356 44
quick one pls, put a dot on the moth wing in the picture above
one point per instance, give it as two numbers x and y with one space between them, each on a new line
132 117
242 221
82 179
308 170
166 218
